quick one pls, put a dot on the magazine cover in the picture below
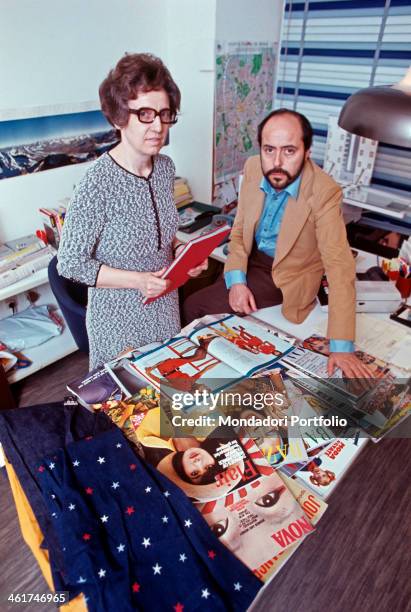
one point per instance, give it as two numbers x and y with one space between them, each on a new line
258 520
204 468
385 407
324 472
129 413
127 378
315 364
320 344
290 469
314 508
95 387
282 444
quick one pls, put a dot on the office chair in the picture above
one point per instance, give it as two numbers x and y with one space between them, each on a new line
72 300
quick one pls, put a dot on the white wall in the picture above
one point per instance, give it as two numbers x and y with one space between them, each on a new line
190 58
58 52
245 20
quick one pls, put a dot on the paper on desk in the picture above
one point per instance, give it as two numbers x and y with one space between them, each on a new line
380 338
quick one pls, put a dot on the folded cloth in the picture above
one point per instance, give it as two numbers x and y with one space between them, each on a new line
27 434
131 539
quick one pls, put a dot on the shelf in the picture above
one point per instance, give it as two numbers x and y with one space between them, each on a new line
36 279
54 349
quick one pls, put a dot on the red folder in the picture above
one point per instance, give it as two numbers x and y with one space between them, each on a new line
193 253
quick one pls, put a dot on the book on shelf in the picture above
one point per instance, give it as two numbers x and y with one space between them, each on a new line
53 220
191 255
24 266
9 256
182 192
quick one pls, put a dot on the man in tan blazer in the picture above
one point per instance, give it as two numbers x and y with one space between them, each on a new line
287 233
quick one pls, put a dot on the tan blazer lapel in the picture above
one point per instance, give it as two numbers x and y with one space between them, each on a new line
254 196
257 211
295 216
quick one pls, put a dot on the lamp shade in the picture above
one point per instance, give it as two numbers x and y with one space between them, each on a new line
380 113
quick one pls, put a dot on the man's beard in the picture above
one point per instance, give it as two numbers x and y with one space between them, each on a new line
276 182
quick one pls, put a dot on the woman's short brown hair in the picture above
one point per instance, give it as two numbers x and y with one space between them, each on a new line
133 74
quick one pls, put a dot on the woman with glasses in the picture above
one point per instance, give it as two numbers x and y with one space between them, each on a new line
119 231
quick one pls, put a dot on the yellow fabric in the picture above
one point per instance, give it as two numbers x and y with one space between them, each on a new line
32 535
312 241
148 432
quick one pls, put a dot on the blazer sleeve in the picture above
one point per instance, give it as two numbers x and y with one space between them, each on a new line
82 227
339 266
237 254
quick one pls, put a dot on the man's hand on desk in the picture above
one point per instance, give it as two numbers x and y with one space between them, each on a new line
241 299
349 364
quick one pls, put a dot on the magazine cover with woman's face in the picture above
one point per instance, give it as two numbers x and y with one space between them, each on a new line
258 520
205 468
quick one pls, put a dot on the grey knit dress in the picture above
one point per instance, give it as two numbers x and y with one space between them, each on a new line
126 222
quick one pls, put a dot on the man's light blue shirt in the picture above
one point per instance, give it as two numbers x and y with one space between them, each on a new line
266 237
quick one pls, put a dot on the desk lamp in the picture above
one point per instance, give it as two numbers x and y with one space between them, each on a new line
380 113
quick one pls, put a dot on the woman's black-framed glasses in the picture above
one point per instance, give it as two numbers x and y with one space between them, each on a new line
148 115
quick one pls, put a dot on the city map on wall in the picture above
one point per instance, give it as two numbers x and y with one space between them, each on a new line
244 92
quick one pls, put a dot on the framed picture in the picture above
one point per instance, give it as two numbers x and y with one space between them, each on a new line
31 144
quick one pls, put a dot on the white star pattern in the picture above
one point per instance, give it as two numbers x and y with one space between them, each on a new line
53 496
101 460
146 542
187 523
157 569
115 485
148 489
76 463
205 593
52 465
104 518
81 580
101 573
121 547
166 494
118 445
72 507
164 519
183 557
54 514
237 586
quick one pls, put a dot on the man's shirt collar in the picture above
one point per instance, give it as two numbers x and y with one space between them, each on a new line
292 189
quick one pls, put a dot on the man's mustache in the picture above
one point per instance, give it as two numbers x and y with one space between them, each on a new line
277 170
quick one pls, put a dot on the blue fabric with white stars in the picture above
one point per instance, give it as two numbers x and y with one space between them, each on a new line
131 539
